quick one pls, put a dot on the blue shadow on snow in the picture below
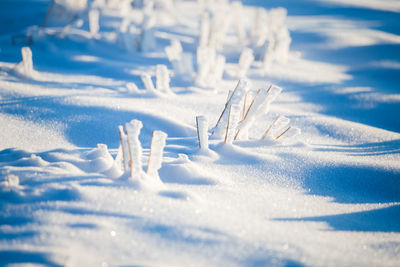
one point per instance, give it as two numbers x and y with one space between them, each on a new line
377 220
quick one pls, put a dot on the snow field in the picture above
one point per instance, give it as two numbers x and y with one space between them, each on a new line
121 146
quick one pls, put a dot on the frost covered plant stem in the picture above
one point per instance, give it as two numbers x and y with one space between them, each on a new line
245 60
289 133
25 67
147 37
277 124
124 148
94 16
156 153
228 125
259 105
135 148
182 63
132 151
148 83
202 131
279 136
162 79
27 62
234 99
233 120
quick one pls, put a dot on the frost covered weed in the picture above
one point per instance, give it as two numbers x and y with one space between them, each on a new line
182 63
94 26
237 119
162 83
25 67
147 41
245 60
130 151
270 37
202 132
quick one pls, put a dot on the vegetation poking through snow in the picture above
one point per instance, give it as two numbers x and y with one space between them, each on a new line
130 154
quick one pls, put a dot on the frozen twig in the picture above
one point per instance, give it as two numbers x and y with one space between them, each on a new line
235 99
233 120
94 16
202 131
245 60
124 147
156 152
285 131
148 83
162 79
135 148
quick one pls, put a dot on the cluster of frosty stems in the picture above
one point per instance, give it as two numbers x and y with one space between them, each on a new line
237 117
131 149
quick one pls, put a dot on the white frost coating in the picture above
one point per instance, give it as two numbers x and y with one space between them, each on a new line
259 31
132 88
148 83
125 7
94 27
174 51
210 67
162 78
238 24
204 30
218 70
234 118
125 39
148 7
236 98
269 55
221 20
253 110
202 131
206 57
277 125
282 45
245 60
135 148
186 66
273 93
119 159
166 5
289 133
182 63
124 148
156 153
27 62
280 123
147 39
271 43
277 18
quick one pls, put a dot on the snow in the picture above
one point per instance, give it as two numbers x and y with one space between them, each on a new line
99 167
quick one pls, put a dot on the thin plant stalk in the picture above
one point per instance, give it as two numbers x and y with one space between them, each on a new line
121 133
227 125
279 136
244 105
198 132
269 128
226 104
251 104
148 161
46 18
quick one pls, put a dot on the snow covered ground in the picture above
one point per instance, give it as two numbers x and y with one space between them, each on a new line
329 196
